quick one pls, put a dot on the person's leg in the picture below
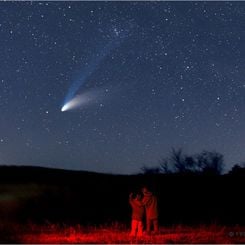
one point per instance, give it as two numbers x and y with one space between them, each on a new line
140 228
148 226
133 227
155 226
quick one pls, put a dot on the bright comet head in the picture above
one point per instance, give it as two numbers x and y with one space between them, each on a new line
64 108
75 102
69 105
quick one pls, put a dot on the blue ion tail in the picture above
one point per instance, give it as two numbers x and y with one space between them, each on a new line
95 62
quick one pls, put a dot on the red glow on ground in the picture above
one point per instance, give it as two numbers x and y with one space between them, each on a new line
178 234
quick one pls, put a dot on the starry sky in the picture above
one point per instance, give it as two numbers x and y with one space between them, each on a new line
150 76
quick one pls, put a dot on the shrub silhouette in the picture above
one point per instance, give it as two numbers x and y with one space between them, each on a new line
238 169
151 170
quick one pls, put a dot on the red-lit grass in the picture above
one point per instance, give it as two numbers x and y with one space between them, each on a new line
117 235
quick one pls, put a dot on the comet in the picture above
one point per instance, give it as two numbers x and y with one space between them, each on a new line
84 99
72 100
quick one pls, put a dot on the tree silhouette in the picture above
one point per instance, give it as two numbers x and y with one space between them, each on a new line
210 162
178 160
206 162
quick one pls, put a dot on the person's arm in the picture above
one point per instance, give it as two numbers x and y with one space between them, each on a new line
139 203
134 202
146 200
131 199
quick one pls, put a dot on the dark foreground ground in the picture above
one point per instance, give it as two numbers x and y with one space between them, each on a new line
39 205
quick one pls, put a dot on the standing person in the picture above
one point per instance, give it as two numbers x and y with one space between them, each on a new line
137 215
151 206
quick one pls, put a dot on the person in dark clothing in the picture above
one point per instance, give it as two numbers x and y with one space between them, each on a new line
150 203
137 215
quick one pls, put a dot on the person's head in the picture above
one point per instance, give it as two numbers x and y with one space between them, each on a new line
146 191
139 196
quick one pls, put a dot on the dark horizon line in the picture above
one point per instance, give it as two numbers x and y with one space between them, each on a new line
101 173
59 169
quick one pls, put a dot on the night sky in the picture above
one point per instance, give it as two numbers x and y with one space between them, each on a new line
146 77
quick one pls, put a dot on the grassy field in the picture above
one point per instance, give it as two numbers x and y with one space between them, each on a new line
118 234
